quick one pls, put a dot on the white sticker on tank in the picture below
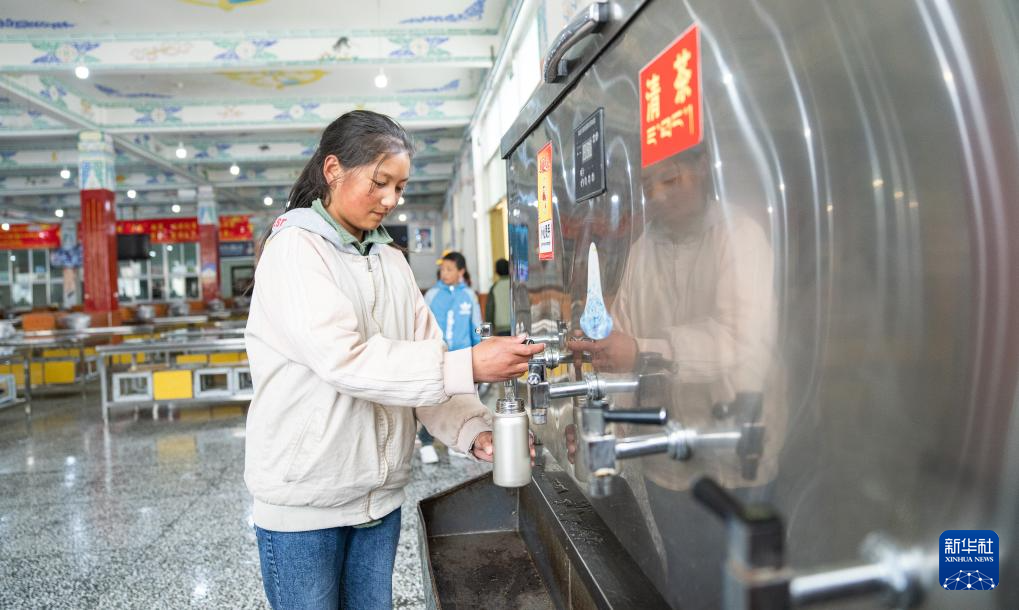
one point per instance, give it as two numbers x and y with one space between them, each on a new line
596 321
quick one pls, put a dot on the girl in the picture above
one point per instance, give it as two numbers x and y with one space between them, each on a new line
346 358
458 312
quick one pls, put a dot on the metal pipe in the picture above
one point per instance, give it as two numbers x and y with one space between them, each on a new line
616 386
567 390
838 584
717 440
637 446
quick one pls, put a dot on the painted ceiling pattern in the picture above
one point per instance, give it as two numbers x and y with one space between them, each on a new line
243 83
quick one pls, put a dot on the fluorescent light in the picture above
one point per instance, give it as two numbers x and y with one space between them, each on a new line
381 80
131 193
169 248
175 208
401 201
235 170
5 226
152 254
402 218
267 200
59 212
181 152
81 72
65 173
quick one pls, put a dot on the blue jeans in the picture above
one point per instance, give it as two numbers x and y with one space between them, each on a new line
339 567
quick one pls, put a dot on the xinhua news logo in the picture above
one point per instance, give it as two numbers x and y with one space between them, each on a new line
969 560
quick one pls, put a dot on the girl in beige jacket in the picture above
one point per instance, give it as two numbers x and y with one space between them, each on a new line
346 358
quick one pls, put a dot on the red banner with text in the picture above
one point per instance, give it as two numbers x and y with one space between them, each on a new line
26 237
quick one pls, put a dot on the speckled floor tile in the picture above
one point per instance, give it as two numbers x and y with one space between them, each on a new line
149 513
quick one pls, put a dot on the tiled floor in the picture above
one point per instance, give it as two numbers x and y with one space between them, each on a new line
147 514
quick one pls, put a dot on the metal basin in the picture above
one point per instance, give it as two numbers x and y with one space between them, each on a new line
542 546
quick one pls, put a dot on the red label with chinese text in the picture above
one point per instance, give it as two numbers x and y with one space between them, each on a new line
670 100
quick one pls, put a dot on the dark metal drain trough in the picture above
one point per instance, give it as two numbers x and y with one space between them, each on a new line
542 546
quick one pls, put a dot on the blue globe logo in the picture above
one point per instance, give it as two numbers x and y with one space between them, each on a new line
971 580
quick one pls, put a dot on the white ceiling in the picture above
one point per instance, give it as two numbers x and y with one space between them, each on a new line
234 81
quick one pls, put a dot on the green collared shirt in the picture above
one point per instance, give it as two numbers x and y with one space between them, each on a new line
376 236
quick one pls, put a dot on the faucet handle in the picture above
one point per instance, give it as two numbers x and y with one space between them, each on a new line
647 417
653 362
757 533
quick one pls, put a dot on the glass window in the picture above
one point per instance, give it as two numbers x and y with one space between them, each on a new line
192 288
39 294
176 288
55 271
5 266
57 293
156 262
5 295
19 259
191 257
40 264
158 289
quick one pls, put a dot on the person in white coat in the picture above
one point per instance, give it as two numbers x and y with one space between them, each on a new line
346 358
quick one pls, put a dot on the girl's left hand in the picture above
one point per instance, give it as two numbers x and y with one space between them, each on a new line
483 448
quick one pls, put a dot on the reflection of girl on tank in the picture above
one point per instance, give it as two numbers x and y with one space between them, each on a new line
697 288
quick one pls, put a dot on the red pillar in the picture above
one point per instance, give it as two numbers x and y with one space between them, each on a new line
208 243
96 180
99 250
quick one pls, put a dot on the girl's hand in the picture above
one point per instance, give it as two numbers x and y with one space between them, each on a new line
502 358
484 449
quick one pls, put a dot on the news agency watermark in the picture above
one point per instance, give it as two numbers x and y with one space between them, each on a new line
970 560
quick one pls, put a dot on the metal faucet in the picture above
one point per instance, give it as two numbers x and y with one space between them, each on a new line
756 577
603 450
554 354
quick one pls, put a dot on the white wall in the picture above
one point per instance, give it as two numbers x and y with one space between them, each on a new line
480 182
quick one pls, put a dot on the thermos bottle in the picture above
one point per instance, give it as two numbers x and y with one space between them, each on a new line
510 435
512 455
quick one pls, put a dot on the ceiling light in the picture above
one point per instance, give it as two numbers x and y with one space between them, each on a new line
152 254
175 208
401 201
81 72
267 200
131 193
59 212
235 169
6 226
402 218
381 80
65 173
181 151
169 248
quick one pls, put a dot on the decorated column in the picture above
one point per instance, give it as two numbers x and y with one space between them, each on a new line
70 258
96 180
208 242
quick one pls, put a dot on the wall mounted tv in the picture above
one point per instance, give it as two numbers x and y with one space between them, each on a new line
132 247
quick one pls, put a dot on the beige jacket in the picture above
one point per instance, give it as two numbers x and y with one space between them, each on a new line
345 358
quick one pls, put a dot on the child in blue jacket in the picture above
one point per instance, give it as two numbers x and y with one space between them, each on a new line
458 312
